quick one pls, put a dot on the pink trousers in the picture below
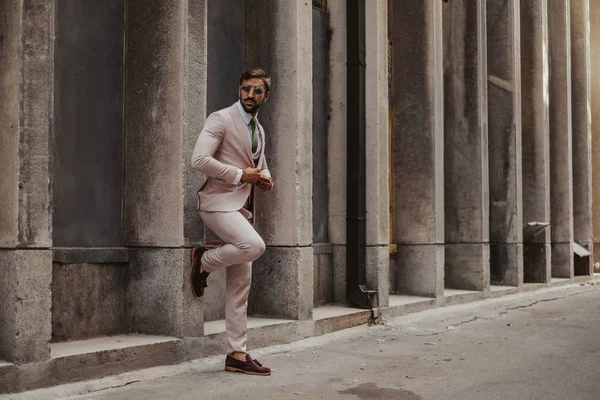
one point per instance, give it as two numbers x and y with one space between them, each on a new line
242 246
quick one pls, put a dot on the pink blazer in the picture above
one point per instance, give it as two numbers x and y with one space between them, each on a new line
222 147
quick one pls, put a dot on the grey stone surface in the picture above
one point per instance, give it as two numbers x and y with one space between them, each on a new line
159 297
595 89
36 70
377 259
504 119
377 124
88 300
506 264
282 283
9 121
337 124
582 108
25 319
561 167
154 162
562 260
214 296
339 274
320 125
87 169
467 266
417 123
466 194
537 266
418 270
194 113
323 287
284 48
535 135
80 255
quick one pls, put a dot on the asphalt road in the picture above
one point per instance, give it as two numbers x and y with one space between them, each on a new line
540 345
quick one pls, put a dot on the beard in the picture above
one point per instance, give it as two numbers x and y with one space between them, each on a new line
251 107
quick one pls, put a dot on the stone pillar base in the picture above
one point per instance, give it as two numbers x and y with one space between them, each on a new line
467 266
419 270
159 296
282 283
506 264
537 267
378 271
562 260
25 305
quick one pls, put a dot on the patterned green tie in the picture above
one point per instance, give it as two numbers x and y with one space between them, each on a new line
254 135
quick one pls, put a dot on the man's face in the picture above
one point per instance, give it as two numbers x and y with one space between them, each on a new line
253 93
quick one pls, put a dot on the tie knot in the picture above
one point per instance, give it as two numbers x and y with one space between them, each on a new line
253 123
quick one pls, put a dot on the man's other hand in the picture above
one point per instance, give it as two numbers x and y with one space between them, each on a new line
251 175
264 183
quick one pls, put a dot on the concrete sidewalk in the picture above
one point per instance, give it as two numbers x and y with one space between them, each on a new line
537 345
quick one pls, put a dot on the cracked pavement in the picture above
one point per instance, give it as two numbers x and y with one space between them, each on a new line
536 345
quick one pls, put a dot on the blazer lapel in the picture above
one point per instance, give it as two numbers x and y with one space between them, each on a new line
262 146
242 130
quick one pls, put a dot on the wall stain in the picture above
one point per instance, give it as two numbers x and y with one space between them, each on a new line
370 391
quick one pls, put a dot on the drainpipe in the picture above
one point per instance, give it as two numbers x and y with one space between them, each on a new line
357 293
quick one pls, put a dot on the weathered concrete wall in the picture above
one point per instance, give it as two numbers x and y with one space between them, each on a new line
582 150
561 144
284 216
25 112
88 300
535 137
165 98
466 195
595 94
88 124
10 55
320 124
377 144
154 103
418 147
336 138
504 135
25 320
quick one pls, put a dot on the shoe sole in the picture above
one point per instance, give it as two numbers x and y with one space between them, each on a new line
232 369
192 271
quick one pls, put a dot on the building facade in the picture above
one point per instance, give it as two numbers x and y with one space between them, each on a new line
424 153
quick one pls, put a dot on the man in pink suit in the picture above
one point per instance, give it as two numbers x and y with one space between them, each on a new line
230 151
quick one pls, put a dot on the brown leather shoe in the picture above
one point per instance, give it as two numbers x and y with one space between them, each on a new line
250 366
197 278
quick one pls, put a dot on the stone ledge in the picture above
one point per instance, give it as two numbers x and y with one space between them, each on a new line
90 255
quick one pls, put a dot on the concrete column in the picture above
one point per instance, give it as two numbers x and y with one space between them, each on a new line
504 119
535 137
165 75
595 94
582 140
26 82
337 145
418 148
279 38
561 167
466 146
377 142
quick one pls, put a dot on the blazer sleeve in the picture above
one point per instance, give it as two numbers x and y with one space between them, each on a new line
265 168
207 144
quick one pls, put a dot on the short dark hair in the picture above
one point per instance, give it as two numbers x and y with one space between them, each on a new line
257 73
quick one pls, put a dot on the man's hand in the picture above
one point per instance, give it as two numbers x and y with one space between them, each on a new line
264 183
250 175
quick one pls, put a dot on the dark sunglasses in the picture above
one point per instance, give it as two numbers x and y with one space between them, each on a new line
257 90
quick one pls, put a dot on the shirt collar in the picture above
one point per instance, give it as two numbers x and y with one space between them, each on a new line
245 116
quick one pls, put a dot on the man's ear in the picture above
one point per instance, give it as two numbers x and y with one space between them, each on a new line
267 95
